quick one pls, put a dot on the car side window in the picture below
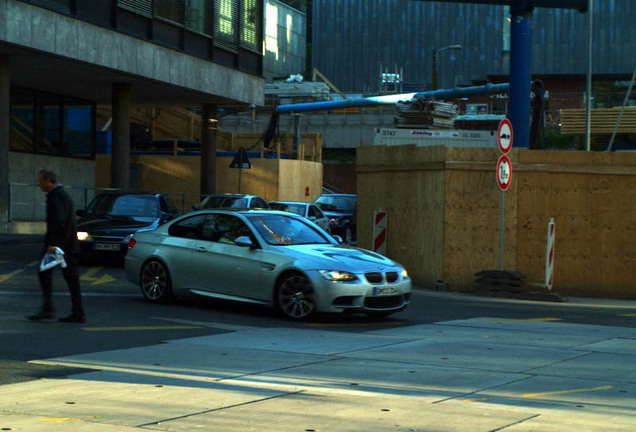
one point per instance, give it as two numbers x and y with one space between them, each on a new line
227 228
188 228
315 212
258 203
167 206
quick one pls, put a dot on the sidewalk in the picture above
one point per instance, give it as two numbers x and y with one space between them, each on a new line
16 239
471 375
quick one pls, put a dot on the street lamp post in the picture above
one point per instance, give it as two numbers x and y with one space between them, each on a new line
435 56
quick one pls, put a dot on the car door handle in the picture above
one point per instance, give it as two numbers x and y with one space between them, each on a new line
201 249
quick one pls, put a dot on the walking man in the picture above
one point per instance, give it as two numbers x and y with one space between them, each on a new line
61 231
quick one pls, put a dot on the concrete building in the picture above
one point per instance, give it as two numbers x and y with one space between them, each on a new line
60 58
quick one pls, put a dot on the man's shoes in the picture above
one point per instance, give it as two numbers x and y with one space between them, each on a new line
73 319
41 316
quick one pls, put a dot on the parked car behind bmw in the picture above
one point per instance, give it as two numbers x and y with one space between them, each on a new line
307 210
108 222
231 201
341 211
265 257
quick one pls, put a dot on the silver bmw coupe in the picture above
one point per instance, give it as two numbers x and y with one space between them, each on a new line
266 257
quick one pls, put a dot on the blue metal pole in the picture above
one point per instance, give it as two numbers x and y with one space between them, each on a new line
520 75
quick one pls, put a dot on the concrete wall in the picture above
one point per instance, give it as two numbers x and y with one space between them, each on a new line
26 198
443 209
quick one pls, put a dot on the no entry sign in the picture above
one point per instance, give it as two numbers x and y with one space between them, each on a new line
504 172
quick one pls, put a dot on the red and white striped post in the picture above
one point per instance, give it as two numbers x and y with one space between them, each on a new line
549 255
379 232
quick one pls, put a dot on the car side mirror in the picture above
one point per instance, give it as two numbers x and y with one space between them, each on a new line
196 207
80 212
312 218
244 241
337 238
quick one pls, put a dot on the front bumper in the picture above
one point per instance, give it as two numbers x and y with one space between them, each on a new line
371 292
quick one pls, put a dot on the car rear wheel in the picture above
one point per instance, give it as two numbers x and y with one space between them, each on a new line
295 297
156 285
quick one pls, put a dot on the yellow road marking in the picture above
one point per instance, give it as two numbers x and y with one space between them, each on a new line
88 276
529 319
476 400
7 276
627 315
4 262
141 328
532 395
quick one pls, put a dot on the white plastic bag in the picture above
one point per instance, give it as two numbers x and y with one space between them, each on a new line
51 260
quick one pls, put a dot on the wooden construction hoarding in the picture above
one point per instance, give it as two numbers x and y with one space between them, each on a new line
179 176
443 209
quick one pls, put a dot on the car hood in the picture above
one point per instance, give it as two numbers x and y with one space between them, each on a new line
113 224
337 257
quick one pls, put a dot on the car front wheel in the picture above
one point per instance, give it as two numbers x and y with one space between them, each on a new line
295 297
156 285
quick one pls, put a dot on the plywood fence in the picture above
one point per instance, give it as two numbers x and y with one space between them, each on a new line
444 206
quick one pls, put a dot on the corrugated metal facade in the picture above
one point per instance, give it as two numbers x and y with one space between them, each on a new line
353 39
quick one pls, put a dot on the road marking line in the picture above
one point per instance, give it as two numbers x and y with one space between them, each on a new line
476 400
374 324
628 315
88 276
7 276
532 395
521 320
59 419
33 263
141 328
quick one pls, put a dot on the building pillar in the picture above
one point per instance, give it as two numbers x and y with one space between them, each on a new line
120 160
5 112
209 128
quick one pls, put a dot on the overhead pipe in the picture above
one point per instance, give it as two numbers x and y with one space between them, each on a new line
375 101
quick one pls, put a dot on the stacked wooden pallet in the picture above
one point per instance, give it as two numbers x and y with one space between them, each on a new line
602 121
426 114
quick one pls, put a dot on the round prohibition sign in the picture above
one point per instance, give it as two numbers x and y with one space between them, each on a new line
505 136
504 172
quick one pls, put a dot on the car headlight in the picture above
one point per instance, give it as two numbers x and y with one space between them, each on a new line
405 275
338 276
82 235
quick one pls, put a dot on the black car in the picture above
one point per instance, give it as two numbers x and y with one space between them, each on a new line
341 211
107 224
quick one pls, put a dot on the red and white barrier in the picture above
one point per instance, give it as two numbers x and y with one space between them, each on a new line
549 255
379 232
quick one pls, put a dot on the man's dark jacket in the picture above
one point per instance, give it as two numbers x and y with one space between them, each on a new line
61 227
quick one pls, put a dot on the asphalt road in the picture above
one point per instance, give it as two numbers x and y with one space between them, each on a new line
119 317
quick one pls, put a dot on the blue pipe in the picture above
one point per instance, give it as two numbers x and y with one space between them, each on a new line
392 99
520 75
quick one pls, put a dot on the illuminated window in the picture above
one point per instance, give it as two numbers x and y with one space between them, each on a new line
506 28
249 23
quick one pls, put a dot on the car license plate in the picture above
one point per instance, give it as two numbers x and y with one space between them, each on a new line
106 246
382 291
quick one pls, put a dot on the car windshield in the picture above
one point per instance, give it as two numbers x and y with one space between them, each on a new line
298 209
336 203
124 205
283 230
223 201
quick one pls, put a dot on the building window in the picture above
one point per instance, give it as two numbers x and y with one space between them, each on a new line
506 29
500 107
226 28
49 124
249 23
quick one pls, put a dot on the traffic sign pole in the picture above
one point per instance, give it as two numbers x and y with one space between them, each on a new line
505 137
